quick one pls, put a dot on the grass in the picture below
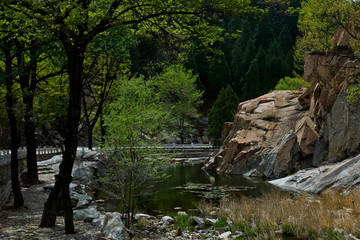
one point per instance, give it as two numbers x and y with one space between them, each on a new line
333 215
183 222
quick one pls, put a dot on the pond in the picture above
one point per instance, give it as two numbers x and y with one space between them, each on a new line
186 185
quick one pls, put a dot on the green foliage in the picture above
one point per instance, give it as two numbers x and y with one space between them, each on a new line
263 33
284 40
222 111
222 222
289 83
183 222
274 66
133 122
251 85
176 87
219 74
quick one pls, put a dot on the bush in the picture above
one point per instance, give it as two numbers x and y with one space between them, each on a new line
289 83
223 110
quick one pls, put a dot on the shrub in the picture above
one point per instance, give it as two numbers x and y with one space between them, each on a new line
289 83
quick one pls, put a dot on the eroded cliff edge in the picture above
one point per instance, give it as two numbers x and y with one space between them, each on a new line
279 133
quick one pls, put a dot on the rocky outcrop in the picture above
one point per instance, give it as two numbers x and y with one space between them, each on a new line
263 137
284 131
339 138
332 176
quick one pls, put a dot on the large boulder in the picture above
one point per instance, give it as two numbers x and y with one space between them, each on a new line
339 138
332 176
262 137
113 227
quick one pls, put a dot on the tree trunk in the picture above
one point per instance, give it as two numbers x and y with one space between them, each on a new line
75 69
28 90
103 130
90 137
15 183
31 160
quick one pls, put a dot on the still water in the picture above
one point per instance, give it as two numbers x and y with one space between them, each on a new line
186 185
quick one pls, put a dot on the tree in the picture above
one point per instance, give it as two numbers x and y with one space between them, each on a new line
263 33
242 68
104 62
219 74
223 110
284 40
133 123
179 96
251 86
274 66
261 63
75 24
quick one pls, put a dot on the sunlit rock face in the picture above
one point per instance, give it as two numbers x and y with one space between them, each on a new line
263 138
276 134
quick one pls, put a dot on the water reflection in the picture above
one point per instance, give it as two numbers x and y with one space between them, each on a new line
164 196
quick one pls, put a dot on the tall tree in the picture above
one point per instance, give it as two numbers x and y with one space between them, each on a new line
179 96
284 40
75 24
274 66
263 33
251 86
219 74
223 110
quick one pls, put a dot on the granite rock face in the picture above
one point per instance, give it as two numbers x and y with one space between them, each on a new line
281 132
262 137
340 175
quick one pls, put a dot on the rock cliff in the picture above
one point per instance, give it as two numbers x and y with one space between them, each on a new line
276 134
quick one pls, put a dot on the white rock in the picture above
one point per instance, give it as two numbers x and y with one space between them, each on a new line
114 228
167 220
225 235
81 214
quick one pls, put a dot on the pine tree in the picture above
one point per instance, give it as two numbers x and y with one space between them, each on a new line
223 110
274 66
284 40
288 63
263 33
203 69
246 33
251 84
219 74
261 63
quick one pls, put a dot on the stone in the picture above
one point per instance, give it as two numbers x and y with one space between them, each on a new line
113 227
280 161
225 235
337 138
99 221
198 220
139 216
307 136
210 221
81 214
334 176
167 220
259 126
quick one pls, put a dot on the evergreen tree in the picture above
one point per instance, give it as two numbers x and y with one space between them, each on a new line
288 63
274 66
251 86
219 74
261 63
263 33
241 69
223 110
246 33
235 24
202 69
284 40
